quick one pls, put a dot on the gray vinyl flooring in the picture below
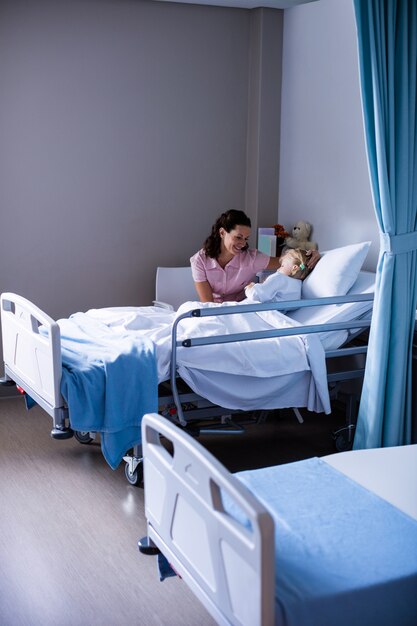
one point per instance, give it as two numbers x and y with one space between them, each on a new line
69 525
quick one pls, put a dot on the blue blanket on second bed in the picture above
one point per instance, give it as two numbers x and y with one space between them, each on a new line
344 556
109 382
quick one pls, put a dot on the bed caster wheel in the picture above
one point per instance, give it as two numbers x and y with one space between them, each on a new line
62 433
83 436
146 546
343 438
134 477
342 444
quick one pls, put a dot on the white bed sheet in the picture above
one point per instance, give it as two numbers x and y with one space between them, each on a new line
365 283
246 375
239 375
368 468
152 321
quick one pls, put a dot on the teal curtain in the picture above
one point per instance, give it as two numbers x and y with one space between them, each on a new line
387 45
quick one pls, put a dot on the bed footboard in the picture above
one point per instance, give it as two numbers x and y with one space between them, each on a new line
32 359
229 566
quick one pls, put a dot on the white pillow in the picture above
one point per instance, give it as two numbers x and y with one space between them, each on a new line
336 271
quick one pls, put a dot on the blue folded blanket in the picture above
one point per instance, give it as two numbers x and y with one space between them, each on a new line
109 381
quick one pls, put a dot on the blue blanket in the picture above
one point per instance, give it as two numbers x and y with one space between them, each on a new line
109 382
343 555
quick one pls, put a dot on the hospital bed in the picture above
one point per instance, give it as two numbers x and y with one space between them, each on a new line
186 392
319 542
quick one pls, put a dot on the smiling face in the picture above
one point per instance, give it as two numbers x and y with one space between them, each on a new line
234 242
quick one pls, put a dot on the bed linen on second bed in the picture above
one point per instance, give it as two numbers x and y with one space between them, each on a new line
338 546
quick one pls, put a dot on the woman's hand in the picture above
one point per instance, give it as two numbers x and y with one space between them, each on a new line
313 258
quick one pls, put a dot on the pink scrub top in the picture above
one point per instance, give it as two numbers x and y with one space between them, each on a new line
228 284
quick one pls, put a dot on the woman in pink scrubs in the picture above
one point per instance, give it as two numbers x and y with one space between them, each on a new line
225 264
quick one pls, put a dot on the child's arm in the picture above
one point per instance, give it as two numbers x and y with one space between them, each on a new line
266 291
277 287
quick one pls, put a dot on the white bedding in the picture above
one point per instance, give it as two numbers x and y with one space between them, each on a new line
294 388
264 374
152 321
246 375
365 283
216 372
369 469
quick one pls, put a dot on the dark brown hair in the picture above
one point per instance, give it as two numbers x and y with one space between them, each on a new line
228 220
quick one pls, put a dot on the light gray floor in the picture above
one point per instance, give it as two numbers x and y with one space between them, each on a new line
69 527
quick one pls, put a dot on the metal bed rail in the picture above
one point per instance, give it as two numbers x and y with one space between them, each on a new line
267 334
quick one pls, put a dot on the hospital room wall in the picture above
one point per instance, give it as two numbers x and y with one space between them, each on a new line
124 131
324 172
125 127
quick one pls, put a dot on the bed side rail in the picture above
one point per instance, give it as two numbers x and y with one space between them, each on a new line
218 556
298 329
31 359
278 332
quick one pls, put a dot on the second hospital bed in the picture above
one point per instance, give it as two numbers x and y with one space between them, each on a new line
198 345
320 542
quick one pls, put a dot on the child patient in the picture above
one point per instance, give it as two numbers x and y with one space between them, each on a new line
285 283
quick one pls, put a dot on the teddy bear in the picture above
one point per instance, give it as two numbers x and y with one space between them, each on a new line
300 237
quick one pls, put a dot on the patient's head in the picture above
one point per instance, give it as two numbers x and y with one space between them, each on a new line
294 263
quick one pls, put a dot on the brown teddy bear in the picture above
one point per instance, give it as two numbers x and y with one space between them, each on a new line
300 237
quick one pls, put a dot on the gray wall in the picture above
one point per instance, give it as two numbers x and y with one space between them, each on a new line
263 147
324 171
127 126
125 129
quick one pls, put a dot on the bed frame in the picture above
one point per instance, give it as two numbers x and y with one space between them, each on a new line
228 565
33 362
